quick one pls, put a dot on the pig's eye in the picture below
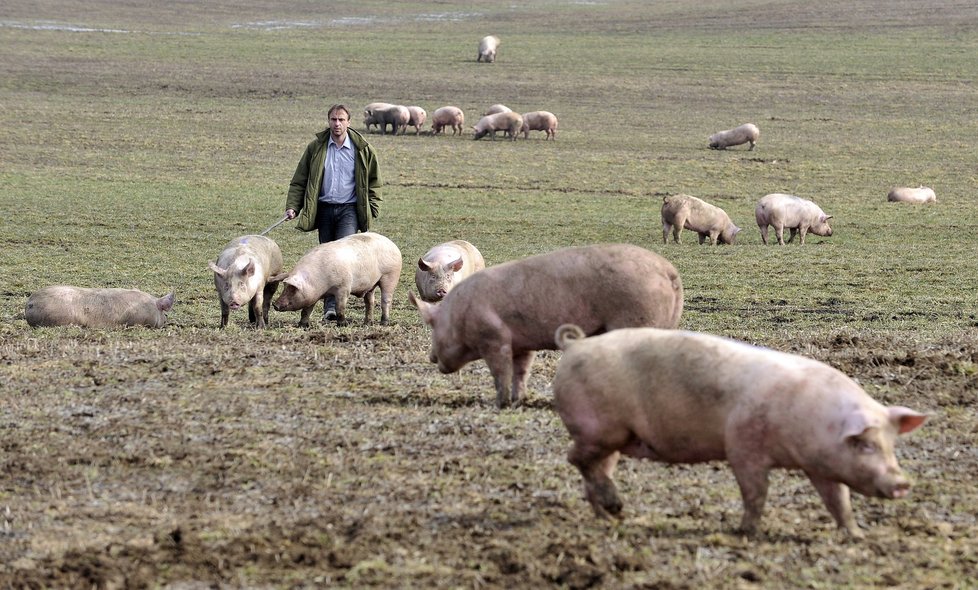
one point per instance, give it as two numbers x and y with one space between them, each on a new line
863 446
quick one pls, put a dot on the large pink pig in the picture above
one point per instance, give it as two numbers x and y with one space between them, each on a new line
788 211
505 313
686 397
65 305
509 123
448 116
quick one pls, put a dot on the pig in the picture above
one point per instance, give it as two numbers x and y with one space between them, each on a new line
746 133
370 116
904 194
509 123
417 119
447 117
487 49
497 108
356 264
684 397
444 266
396 116
540 121
788 211
709 221
64 305
241 275
507 312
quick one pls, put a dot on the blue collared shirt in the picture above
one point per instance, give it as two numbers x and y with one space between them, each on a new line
339 187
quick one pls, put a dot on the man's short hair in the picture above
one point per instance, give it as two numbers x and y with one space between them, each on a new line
338 107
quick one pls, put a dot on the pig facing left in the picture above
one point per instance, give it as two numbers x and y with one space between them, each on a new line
685 397
356 265
241 277
64 305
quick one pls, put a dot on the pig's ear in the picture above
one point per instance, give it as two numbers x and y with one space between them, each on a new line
456 264
165 303
828 217
250 269
217 269
424 265
905 419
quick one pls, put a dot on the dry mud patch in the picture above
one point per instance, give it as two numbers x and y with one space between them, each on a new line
340 457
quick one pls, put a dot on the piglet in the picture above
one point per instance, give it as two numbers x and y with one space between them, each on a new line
64 305
241 277
685 397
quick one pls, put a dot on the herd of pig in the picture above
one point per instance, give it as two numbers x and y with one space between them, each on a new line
628 382
497 118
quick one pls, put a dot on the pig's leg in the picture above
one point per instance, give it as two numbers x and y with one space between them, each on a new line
254 311
752 480
764 234
791 238
835 495
702 238
341 296
779 230
225 311
521 371
269 292
304 318
665 232
597 465
500 361
801 233
368 304
386 300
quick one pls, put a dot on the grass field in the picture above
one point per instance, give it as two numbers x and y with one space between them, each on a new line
137 138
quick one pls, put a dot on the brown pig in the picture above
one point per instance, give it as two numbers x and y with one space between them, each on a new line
64 305
444 266
686 212
505 313
788 211
685 397
509 123
356 265
540 121
447 117
241 276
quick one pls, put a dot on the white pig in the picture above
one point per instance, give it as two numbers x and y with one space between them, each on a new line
487 49
685 397
417 119
788 211
540 121
905 194
64 305
746 133
444 266
497 108
356 265
505 313
241 277
447 117
509 123
395 115
686 212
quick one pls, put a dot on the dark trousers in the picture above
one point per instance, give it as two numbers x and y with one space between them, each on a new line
335 222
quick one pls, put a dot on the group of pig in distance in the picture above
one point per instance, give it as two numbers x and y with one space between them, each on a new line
628 382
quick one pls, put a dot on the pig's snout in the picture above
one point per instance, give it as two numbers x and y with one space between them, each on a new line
234 305
440 293
893 485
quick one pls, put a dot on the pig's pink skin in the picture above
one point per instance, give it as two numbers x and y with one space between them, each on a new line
505 313
418 117
65 305
540 121
788 211
444 266
509 123
685 397
708 221
447 117
241 277
354 265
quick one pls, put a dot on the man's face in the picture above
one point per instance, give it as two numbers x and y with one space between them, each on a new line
338 124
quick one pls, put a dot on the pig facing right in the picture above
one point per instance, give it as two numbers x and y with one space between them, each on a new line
507 312
444 266
686 212
685 397
509 123
540 121
788 211
356 264
66 305
906 194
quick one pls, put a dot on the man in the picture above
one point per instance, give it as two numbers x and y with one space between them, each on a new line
335 186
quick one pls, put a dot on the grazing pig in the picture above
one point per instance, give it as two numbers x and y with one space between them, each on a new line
444 266
505 313
487 49
417 119
395 115
904 194
746 133
684 397
684 211
63 305
497 108
509 123
540 121
356 265
788 211
241 276
370 116
447 117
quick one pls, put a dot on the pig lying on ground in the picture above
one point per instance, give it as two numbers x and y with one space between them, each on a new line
684 211
395 115
497 108
444 266
746 133
447 117
788 211
417 119
683 397
487 49
904 194
505 313
63 305
370 117
509 123
540 121
241 276
356 264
